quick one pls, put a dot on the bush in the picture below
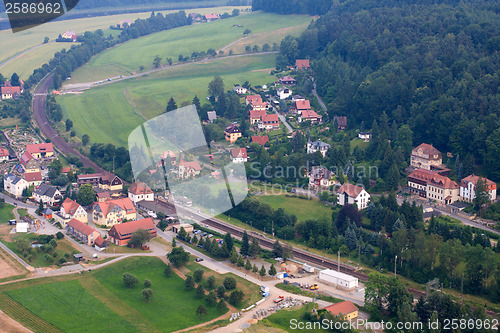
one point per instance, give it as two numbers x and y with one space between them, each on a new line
59 235
147 283
236 297
130 280
62 260
229 283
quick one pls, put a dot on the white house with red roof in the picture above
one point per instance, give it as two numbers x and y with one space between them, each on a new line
269 122
10 92
187 170
4 155
353 194
239 155
310 115
33 178
70 209
468 188
40 150
140 191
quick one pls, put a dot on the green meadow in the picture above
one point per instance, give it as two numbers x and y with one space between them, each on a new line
303 209
109 113
127 58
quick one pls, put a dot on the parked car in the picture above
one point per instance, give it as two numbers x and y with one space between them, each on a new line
199 259
204 234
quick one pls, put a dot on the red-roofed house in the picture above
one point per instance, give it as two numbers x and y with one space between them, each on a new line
4 154
302 105
10 92
302 64
341 123
239 155
211 17
425 157
270 122
188 169
41 150
71 210
100 244
310 115
70 34
83 232
353 194
287 80
121 233
431 185
29 163
256 116
261 140
346 309
112 212
251 99
65 170
468 187
33 178
140 191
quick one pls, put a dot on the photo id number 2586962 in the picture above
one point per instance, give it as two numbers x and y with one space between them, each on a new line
32 8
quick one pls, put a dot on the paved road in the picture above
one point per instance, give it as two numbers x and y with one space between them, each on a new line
40 116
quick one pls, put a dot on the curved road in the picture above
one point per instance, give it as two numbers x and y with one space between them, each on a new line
40 115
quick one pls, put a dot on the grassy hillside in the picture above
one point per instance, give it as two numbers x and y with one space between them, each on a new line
109 113
303 209
126 58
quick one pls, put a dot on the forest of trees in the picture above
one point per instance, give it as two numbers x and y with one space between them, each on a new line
311 7
432 65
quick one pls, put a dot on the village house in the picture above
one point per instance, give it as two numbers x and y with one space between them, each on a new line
169 157
14 185
353 194
261 140
211 115
433 186
345 310
426 157
232 133
365 136
47 194
123 24
468 188
287 80
251 99
187 170
302 105
33 178
4 155
269 122
211 17
120 234
302 64
310 115
256 116
10 92
70 34
284 93
320 179
239 155
111 212
29 163
40 150
319 145
240 90
140 191
70 209
341 123
102 195
100 244
106 181
82 231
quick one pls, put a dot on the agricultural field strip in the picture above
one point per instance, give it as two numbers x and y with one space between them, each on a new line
18 312
109 299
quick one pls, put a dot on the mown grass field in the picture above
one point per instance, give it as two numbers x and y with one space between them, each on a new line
12 44
6 213
127 58
303 209
99 301
110 113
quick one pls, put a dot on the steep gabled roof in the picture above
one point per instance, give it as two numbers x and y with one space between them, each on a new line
239 152
46 190
427 150
302 63
81 227
232 128
351 190
190 165
474 179
344 308
139 188
70 206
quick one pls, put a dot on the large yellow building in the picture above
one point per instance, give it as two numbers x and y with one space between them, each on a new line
111 212
41 150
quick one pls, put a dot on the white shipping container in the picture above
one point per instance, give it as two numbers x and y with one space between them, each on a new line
342 280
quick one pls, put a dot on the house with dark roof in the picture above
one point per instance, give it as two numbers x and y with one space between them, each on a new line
316 146
239 155
47 194
287 80
284 92
105 181
320 178
14 185
112 212
261 140
232 133
353 194
121 233
140 191
82 231
211 115
426 157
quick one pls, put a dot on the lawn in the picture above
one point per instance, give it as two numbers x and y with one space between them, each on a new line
6 213
13 44
110 113
70 307
303 209
125 59
359 143
171 308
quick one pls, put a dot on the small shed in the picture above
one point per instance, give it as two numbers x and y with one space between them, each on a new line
340 280
308 268
78 257
177 227
22 227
